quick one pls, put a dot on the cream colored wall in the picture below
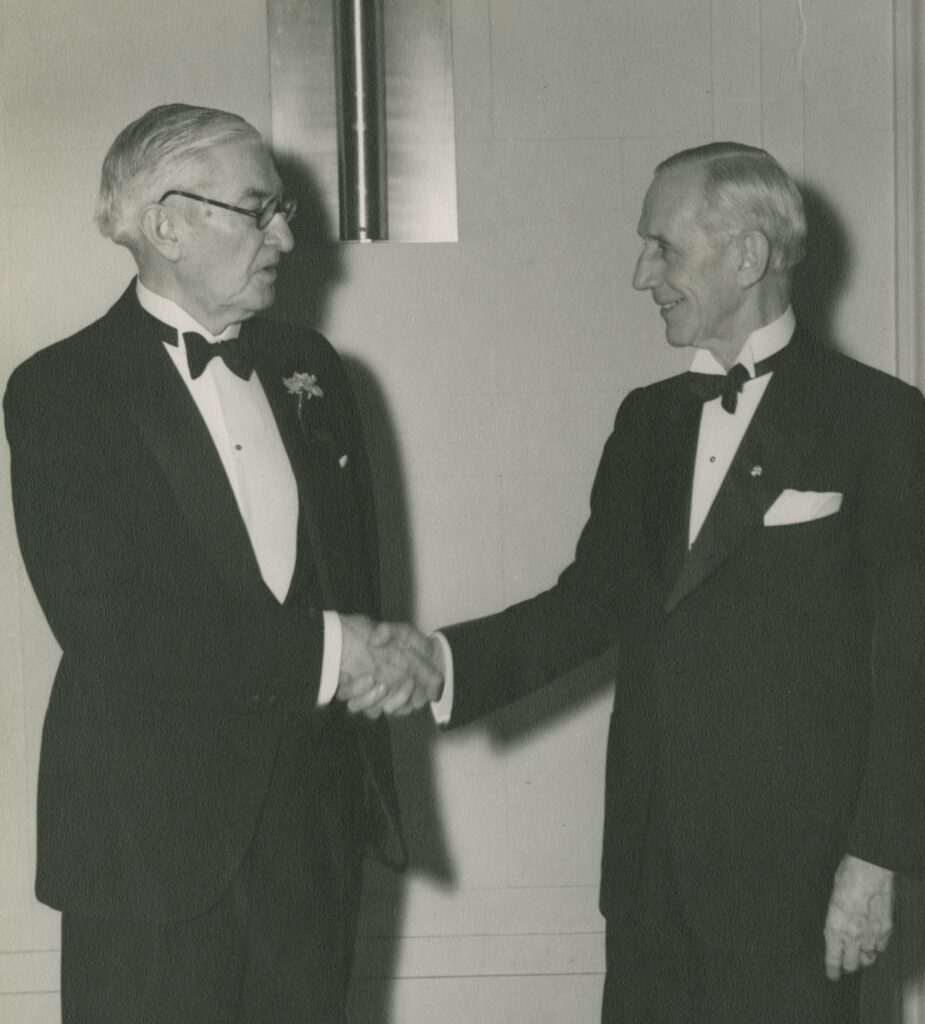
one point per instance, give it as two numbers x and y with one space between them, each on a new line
499 360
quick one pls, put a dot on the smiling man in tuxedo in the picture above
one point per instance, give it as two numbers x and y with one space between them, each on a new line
756 551
194 508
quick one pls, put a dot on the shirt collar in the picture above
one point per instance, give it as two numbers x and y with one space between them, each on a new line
168 312
761 344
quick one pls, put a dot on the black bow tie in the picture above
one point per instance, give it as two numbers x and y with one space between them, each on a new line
235 352
726 386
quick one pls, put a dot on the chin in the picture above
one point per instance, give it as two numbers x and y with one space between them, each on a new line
262 300
675 342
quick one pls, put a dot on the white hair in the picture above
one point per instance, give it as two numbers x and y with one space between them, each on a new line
746 188
152 155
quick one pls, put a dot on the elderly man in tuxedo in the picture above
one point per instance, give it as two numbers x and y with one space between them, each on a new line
193 504
756 551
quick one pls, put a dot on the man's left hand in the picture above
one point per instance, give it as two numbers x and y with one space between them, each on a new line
860 917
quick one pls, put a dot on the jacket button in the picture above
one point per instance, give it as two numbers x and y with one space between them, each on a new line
273 700
255 700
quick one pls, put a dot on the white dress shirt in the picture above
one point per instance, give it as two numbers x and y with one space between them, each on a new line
241 424
718 440
721 432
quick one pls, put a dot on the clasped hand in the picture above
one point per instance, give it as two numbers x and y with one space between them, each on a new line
389 668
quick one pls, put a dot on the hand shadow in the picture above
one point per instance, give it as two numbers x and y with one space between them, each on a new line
307 279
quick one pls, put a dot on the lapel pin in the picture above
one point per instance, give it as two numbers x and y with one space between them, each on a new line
755 471
342 461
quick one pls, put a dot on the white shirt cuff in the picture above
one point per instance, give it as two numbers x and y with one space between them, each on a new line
443 708
330 660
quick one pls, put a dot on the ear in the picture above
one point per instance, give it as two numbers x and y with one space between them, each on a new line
160 228
754 257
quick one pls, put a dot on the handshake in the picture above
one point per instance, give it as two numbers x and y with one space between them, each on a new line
387 668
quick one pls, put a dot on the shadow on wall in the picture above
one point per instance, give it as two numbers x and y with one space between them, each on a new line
825 273
311 272
307 280
547 707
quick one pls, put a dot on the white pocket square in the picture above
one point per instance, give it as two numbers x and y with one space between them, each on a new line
802 507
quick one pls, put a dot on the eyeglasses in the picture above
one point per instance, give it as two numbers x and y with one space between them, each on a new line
286 207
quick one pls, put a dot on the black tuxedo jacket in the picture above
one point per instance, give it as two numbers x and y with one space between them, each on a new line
179 668
770 701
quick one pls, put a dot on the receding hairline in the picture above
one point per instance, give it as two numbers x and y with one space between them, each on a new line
738 179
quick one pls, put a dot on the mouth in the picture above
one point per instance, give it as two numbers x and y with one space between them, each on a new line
666 307
268 272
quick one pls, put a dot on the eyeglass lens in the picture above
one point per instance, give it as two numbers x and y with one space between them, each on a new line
287 207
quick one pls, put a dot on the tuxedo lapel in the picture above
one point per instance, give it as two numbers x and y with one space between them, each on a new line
674 456
163 411
166 416
783 429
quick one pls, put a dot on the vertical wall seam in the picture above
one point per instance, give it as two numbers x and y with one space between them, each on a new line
907 138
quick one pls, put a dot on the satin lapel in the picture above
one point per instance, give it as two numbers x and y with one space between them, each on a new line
676 456
284 407
679 420
783 431
167 418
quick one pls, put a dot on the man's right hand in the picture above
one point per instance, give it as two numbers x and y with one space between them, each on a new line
389 668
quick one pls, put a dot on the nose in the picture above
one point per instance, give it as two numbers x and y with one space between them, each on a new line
279 234
646 273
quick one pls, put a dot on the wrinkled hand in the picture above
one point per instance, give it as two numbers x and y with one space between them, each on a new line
389 668
860 916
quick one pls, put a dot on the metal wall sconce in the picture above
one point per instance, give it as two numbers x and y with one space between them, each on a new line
362 93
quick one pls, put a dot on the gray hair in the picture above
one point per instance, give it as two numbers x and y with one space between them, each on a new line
747 188
152 155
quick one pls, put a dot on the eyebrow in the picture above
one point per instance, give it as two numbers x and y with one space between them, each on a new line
261 195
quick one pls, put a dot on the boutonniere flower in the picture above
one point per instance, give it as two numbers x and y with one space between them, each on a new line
305 385
312 421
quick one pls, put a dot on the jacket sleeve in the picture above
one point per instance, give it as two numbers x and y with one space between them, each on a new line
503 657
889 821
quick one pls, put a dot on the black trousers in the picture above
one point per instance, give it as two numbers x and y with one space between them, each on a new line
277 947
660 972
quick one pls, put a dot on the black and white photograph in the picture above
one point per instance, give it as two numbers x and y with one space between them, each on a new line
462 512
